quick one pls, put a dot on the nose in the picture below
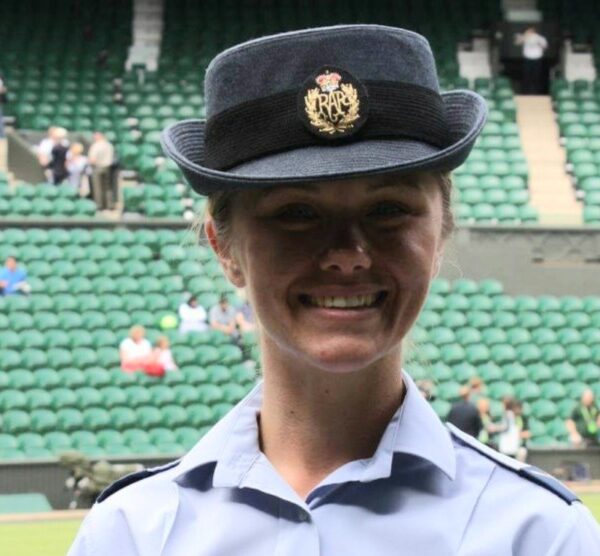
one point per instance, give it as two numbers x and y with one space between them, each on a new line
346 253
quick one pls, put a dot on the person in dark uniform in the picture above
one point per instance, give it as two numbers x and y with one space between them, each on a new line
465 415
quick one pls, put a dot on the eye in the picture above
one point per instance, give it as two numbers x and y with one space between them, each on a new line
388 209
297 213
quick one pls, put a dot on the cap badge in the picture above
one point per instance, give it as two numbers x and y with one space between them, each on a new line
336 107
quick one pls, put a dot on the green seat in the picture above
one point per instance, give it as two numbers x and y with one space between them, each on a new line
42 420
137 396
528 353
38 399
88 396
135 436
161 394
112 396
200 415
109 438
21 379
499 390
57 442
540 372
554 391
174 415
233 393
553 353
97 377
96 418
449 391
83 438
543 409
12 399
515 372
209 393
72 378
527 391
564 372
543 336
69 419
148 416
16 421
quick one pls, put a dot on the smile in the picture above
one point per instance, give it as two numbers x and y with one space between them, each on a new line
344 302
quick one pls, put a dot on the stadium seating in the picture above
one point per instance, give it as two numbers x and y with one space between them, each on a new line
59 365
577 105
543 350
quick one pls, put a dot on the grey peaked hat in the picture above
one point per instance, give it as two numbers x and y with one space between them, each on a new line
320 104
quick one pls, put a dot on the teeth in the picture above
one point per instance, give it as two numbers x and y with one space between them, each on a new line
344 302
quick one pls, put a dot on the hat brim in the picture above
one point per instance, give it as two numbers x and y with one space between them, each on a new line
466 113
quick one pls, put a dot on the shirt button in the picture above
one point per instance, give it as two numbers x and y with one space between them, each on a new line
303 516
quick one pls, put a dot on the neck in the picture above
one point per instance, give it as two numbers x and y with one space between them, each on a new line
313 421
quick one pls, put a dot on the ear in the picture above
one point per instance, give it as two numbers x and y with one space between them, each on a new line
228 262
437 265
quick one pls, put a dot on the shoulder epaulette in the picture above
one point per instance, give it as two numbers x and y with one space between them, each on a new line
134 478
528 472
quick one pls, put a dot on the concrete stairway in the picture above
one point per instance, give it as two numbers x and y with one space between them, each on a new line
549 184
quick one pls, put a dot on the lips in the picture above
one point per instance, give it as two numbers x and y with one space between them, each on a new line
344 302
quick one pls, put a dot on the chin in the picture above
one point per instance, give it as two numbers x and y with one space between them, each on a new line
343 357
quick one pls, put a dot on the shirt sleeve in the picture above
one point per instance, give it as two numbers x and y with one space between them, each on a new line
579 535
101 533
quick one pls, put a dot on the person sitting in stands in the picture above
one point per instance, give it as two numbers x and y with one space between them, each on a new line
222 317
192 316
244 318
136 350
13 279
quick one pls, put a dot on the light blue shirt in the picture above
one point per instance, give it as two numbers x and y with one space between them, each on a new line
424 492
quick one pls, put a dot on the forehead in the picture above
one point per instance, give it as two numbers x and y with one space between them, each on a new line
366 185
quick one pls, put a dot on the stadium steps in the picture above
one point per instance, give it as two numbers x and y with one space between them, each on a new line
550 186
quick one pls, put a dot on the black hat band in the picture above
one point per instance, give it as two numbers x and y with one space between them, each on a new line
276 123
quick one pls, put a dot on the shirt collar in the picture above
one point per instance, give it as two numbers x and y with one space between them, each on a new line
233 444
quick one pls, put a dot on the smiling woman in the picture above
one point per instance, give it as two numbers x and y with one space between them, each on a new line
327 172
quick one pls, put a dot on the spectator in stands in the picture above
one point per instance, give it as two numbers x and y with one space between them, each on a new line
244 317
58 156
192 316
160 359
77 167
584 424
222 317
477 388
13 278
44 150
514 430
136 350
337 242
533 68
464 414
101 157
489 429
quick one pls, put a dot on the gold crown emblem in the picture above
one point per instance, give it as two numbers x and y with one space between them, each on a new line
333 107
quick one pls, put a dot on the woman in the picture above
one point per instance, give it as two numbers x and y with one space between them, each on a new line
192 316
336 451
77 167
135 351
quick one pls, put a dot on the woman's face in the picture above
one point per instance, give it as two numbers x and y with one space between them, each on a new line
336 272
